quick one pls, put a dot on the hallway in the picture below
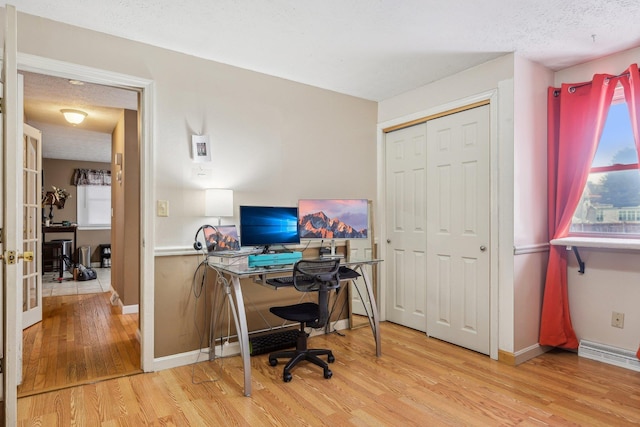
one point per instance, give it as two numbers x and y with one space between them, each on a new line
81 339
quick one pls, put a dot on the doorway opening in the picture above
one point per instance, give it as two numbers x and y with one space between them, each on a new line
88 333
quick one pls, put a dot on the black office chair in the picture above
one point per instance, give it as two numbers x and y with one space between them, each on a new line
309 276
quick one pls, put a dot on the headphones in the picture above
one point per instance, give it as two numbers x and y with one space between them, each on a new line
197 245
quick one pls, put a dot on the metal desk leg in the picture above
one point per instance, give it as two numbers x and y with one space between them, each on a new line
375 326
243 334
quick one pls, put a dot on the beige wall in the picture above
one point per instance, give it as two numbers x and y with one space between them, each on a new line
125 192
273 142
184 305
530 241
60 173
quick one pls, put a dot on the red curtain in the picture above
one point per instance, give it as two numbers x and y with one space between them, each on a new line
576 116
631 87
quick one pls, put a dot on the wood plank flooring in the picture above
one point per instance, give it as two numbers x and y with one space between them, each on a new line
418 381
81 339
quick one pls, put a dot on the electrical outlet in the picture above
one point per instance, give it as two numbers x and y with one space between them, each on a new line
163 208
617 320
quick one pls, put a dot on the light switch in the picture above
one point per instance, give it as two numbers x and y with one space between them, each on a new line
163 207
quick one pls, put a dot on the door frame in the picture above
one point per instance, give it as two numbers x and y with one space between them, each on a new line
414 118
51 67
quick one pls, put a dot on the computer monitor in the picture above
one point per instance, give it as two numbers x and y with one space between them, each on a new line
330 219
268 225
221 238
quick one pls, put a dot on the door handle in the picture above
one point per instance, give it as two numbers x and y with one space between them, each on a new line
483 248
388 240
27 256
11 257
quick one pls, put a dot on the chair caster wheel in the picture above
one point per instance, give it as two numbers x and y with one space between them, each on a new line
286 377
327 373
331 359
273 362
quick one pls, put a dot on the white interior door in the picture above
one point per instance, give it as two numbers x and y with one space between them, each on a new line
12 217
32 271
405 253
363 249
458 231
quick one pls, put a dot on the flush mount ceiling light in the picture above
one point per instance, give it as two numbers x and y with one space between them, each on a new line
75 117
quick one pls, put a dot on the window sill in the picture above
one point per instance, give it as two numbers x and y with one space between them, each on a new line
598 242
93 227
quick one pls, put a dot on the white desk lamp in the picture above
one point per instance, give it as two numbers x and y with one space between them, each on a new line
218 202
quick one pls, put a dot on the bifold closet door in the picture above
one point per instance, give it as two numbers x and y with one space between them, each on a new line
458 221
406 226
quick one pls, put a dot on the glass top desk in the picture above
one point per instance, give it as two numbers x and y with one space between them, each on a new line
239 270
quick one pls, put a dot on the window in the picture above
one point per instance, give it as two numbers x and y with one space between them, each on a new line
610 203
94 206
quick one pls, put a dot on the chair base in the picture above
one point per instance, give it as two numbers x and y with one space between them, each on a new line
300 354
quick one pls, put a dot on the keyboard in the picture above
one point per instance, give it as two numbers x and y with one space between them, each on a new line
345 274
286 280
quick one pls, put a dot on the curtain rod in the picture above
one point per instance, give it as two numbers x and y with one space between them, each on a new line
572 89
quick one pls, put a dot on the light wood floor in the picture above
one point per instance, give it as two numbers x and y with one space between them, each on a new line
418 381
81 339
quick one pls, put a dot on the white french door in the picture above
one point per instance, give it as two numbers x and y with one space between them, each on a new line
12 218
32 236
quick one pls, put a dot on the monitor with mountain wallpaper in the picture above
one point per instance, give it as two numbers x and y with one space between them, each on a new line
333 218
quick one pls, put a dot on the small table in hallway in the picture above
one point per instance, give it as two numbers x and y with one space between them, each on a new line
61 229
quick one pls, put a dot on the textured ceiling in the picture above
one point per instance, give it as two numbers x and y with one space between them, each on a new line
45 96
372 49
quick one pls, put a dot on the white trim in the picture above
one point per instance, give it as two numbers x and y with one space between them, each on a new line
147 237
67 70
598 242
52 67
176 251
93 227
530 352
492 97
183 359
128 309
531 249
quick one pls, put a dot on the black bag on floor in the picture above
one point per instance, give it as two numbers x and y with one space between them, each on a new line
86 273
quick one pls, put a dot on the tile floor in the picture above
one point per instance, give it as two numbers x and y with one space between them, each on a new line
52 287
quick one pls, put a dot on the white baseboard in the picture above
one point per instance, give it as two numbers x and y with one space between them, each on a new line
530 352
124 309
128 309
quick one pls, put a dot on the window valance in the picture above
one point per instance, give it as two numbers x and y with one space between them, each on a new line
91 177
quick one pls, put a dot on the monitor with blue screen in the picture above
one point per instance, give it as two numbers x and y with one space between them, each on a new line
268 225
